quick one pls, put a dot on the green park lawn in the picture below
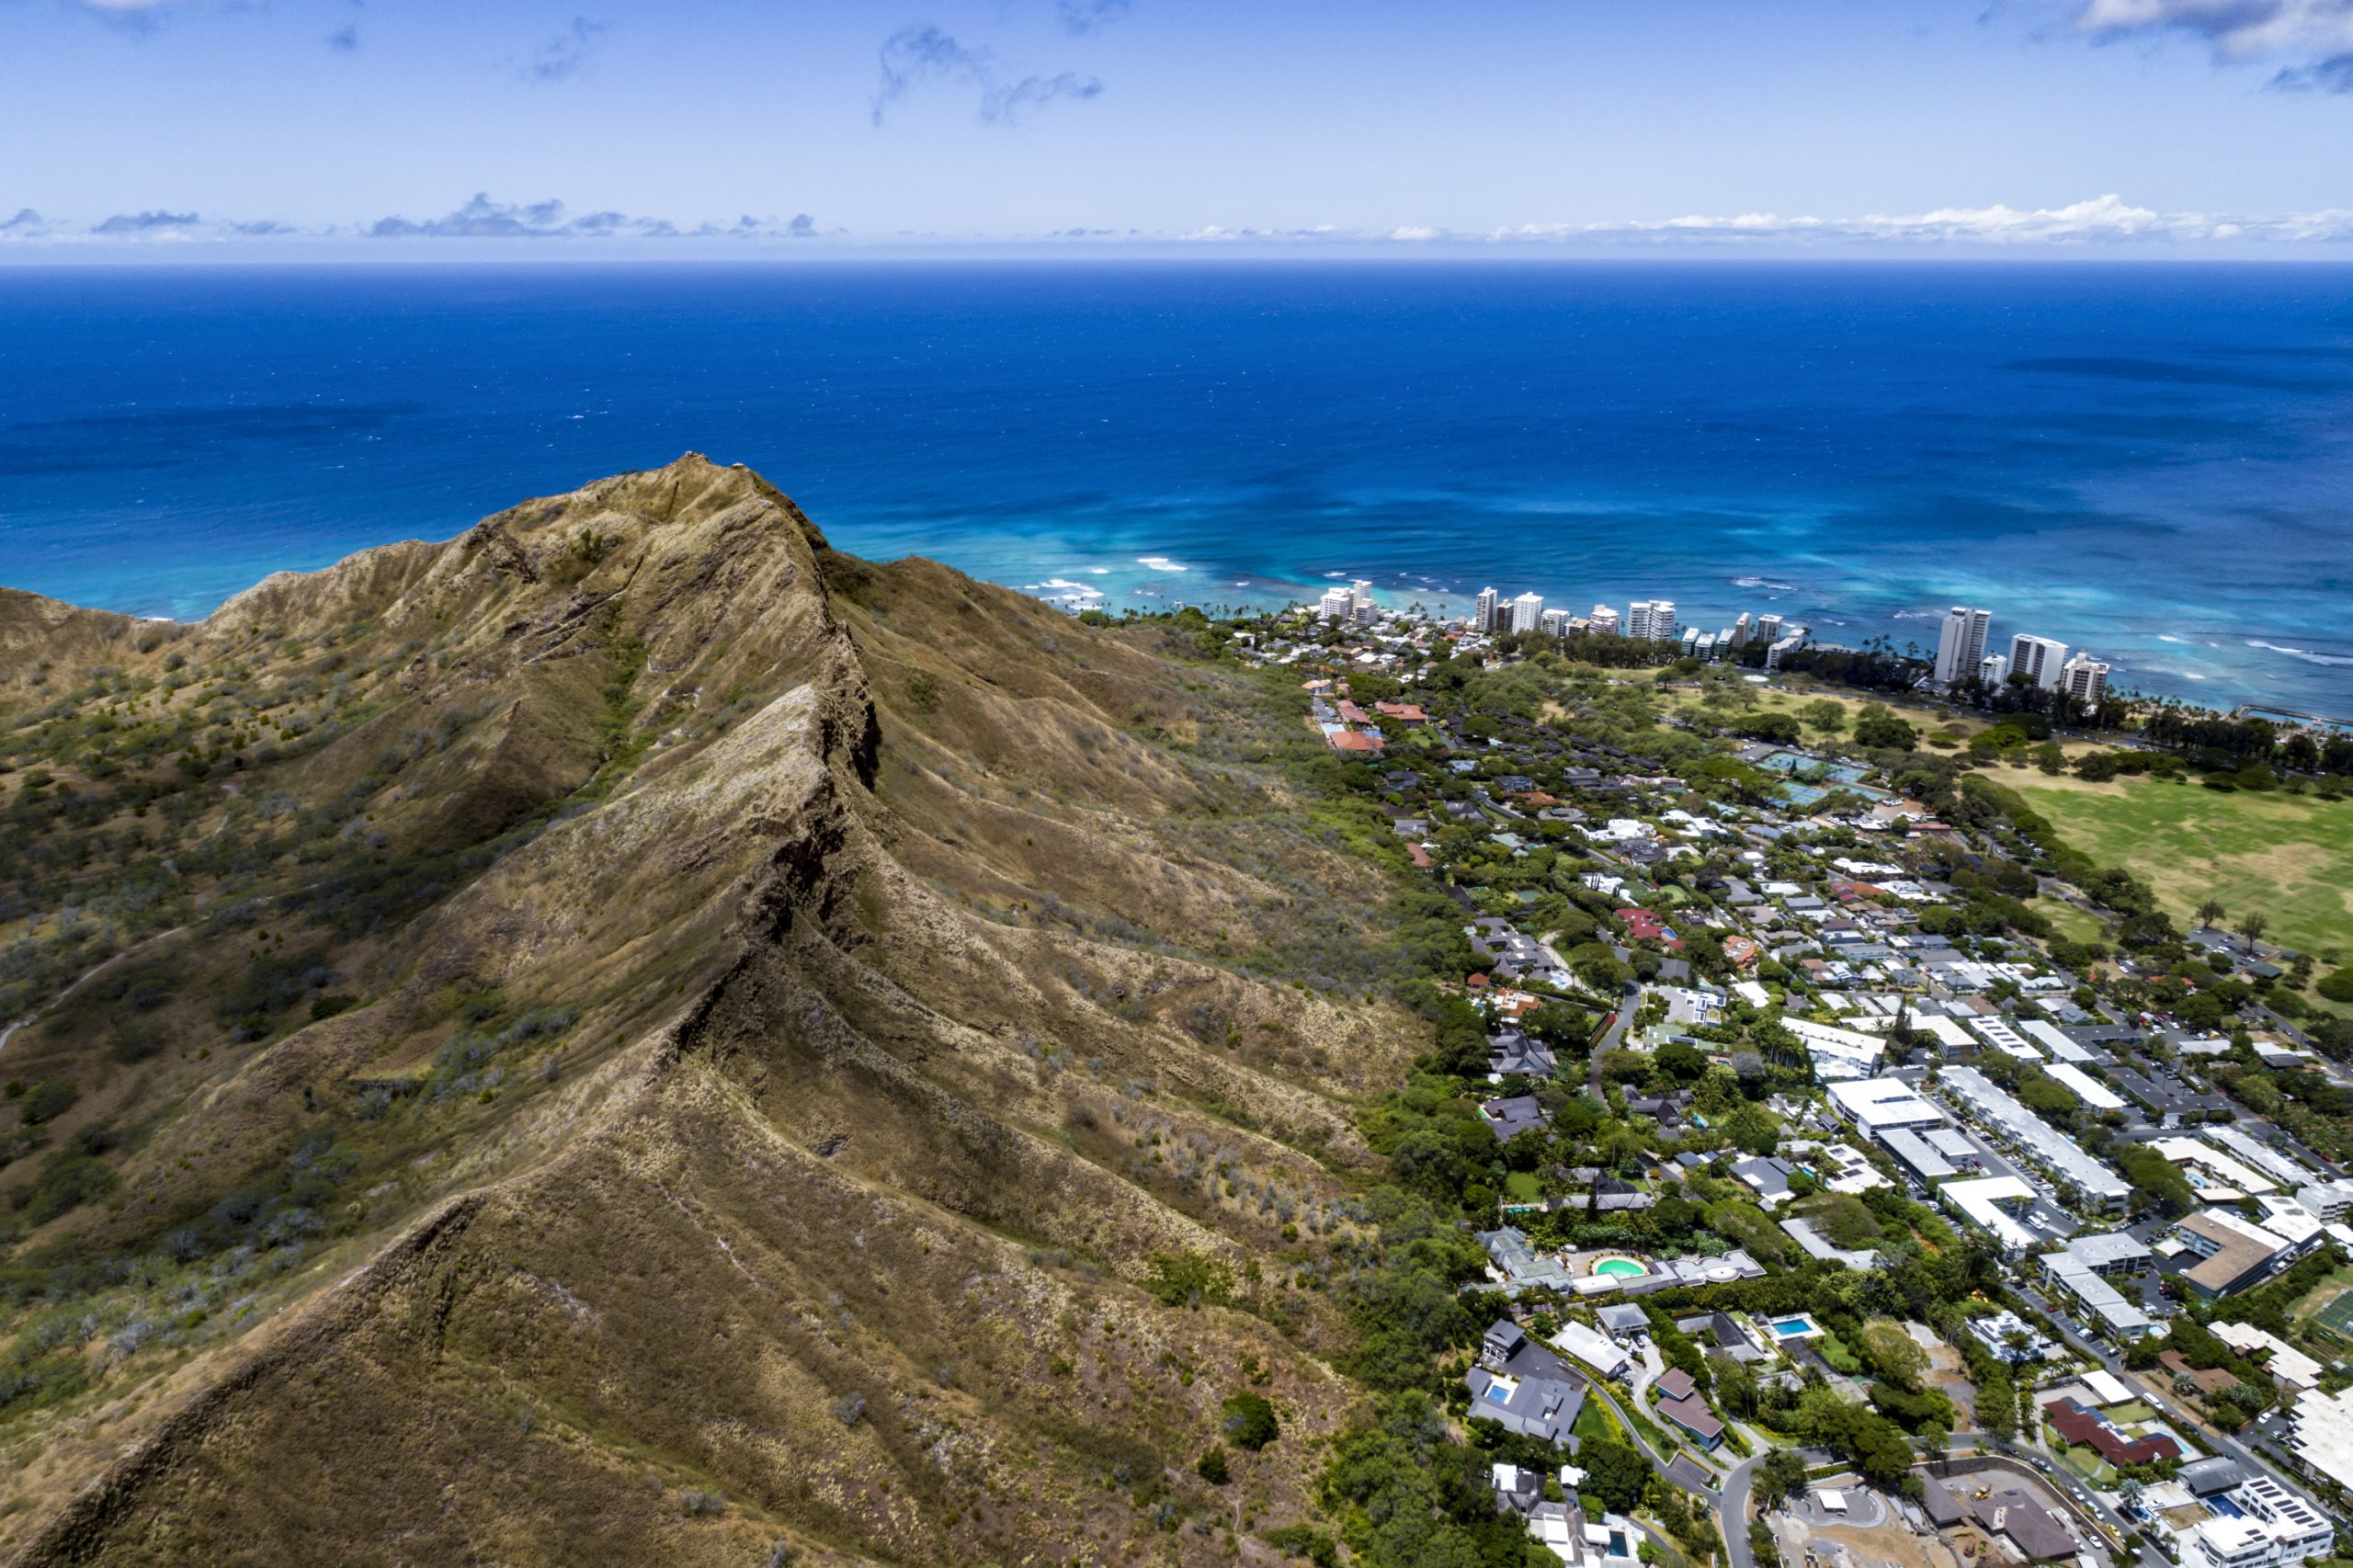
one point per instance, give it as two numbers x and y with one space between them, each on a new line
1521 1187
2289 856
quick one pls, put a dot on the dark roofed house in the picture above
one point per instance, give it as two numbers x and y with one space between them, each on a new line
1507 1118
2207 1476
2030 1526
1676 1383
1694 1416
1624 1320
1523 1386
1944 1509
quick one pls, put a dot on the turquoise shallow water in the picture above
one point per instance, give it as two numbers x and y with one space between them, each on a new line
2153 462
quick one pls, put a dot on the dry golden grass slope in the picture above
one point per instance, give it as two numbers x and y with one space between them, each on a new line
885 1063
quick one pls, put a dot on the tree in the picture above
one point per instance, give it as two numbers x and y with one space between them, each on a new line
1776 1475
2210 913
1878 732
1614 1472
1250 1420
2252 924
1825 715
1892 1354
1212 1465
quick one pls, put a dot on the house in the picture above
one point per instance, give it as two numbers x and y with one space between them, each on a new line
1694 1416
1610 1542
1936 1501
2076 1423
1515 1262
2035 1530
1676 1383
1518 1491
2290 1367
1594 1348
1624 1321
1767 1177
1511 1052
1524 1387
2207 1477
1507 1118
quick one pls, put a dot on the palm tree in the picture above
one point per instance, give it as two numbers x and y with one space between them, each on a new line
2251 925
2210 913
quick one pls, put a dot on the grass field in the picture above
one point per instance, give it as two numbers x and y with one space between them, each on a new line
2329 1305
1523 1188
2290 856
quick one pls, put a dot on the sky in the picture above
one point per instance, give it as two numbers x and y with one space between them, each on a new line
173 128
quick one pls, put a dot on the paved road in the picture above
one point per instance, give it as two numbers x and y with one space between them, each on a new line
1628 1006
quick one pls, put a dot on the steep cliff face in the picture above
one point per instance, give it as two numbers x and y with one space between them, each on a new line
773 1017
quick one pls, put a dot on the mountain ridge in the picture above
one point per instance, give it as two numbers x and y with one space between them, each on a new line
765 819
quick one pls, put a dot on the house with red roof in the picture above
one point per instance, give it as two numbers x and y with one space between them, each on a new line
2076 1423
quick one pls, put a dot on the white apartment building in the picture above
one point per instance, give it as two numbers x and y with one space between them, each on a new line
1604 621
1337 604
1528 612
1769 628
1740 628
1960 645
1484 617
2083 680
1994 669
2039 659
1556 623
1651 620
2274 1527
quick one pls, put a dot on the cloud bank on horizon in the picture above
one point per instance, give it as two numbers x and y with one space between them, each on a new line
1914 126
2101 221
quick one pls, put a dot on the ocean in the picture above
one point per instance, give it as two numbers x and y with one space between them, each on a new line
2153 462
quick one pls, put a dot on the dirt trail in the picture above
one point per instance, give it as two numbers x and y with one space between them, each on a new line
84 979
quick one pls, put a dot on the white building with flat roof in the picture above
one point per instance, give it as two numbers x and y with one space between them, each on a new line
1880 1105
1995 1111
1993 1205
2088 1089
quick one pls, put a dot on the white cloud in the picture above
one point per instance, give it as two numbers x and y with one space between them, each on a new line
2311 40
2238 29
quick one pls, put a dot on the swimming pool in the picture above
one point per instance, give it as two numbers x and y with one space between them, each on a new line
1797 1325
1620 1268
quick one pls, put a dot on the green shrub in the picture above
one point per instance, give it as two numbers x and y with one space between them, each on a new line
49 1100
1250 1420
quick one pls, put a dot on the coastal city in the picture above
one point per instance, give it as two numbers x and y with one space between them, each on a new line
1962 652
1855 1166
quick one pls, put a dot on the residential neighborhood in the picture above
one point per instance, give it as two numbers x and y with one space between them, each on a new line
1879 1188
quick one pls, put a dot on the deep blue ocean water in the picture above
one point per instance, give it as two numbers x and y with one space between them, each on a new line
2155 461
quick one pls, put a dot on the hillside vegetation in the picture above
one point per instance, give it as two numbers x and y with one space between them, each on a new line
630 1035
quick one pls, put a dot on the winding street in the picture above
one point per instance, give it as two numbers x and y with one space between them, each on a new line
1628 1006
1732 1510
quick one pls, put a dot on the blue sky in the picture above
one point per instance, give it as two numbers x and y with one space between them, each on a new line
313 127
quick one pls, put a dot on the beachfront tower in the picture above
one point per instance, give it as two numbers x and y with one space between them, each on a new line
1483 618
1960 646
2039 659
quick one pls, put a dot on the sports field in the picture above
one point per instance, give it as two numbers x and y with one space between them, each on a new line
2290 856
